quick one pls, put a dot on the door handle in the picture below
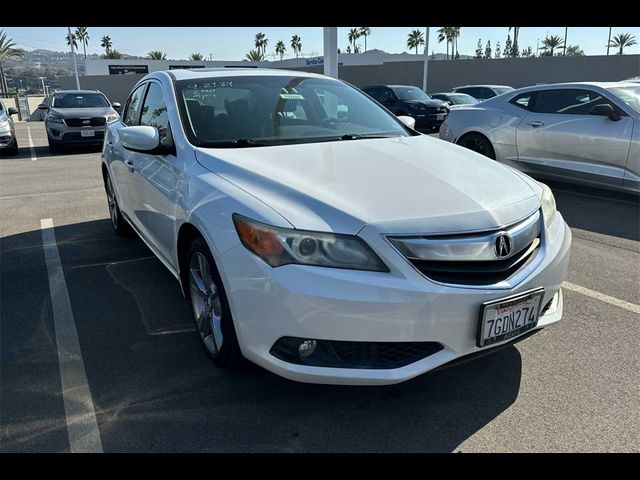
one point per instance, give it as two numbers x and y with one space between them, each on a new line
536 124
129 164
110 146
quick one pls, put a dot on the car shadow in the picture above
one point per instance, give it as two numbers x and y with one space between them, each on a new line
154 388
597 210
42 152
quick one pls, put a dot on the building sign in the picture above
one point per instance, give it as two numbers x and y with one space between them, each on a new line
314 61
182 67
125 69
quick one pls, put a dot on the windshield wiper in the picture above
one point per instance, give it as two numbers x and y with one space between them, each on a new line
238 143
360 136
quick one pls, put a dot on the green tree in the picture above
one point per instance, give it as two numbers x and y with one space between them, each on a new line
515 49
507 47
622 40
106 43
156 55
354 34
487 50
549 44
445 34
365 32
261 42
197 57
415 39
296 45
498 53
7 50
255 55
455 33
112 54
527 52
479 49
82 34
280 49
72 39
574 51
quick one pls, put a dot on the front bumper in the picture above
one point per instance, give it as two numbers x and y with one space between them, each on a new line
60 134
400 306
428 122
7 137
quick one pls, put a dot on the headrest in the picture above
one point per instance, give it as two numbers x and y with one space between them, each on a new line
237 107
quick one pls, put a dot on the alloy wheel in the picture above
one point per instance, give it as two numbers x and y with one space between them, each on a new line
206 302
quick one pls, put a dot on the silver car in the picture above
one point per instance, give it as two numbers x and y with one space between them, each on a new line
8 141
78 117
586 133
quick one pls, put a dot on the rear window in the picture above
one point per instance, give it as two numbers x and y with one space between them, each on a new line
79 100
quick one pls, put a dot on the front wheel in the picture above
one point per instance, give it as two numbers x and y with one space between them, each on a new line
119 224
479 144
210 307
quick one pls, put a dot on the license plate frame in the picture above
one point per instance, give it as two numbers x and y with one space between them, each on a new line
440 116
87 133
505 303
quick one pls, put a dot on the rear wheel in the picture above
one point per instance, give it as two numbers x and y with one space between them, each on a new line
478 143
119 224
211 310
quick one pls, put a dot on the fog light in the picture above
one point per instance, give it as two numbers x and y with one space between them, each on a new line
307 348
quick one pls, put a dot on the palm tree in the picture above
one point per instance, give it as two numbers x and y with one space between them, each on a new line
514 47
296 44
415 39
112 54
7 50
449 34
156 55
280 49
261 42
574 51
364 32
255 55
82 34
106 43
551 43
622 40
354 34
198 57
455 33
72 38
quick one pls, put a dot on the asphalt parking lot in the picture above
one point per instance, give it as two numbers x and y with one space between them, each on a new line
573 387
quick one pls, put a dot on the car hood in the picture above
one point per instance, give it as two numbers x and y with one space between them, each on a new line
402 184
427 103
82 112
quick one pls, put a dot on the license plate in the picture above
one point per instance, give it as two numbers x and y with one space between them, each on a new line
87 133
508 317
440 116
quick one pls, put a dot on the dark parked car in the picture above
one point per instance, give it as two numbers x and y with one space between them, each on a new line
483 92
411 101
78 117
455 99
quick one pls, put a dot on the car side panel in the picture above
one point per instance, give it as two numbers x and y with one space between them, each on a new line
632 172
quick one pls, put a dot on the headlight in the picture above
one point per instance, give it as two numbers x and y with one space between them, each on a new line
112 117
4 123
53 119
281 246
548 205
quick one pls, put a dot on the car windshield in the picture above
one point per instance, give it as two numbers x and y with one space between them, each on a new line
462 99
262 110
410 93
79 100
501 90
629 95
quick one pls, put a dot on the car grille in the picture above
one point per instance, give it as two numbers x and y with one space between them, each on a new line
79 122
470 259
345 354
436 110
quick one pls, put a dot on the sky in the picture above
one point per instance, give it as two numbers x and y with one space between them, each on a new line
232 43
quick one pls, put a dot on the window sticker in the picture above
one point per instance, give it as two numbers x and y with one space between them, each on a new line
291 96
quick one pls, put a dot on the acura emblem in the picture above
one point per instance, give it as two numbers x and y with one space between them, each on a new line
502 245
86 122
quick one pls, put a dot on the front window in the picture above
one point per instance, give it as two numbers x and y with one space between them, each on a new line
501 90
629 95
79 100
410 93
272 110
462 99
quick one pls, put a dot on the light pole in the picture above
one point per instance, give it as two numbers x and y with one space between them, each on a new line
426 62
564 47
73 54
609 41
43 90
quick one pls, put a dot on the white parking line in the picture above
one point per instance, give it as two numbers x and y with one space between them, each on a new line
82 426
33 152
602 297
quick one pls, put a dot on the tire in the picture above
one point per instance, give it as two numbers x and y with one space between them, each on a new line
119 224
479 144
53 148
211 312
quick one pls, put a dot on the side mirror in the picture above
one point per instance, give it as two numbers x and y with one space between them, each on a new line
116 106
605 110
12 111
142 139
408 121
43 106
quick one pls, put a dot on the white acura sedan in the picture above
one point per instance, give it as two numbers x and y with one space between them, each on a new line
317 235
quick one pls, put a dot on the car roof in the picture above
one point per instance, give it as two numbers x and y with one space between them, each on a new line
196 73
450 93
487 86
77 92
551 86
